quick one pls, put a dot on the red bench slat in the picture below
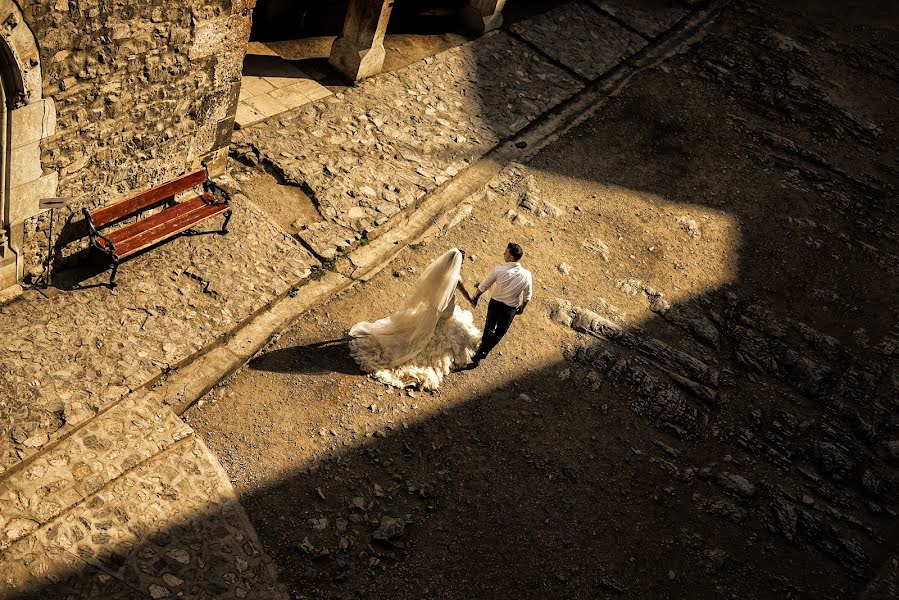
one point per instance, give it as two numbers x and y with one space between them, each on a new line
108 214
159 218
140 236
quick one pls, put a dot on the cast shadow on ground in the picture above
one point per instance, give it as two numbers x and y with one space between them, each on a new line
593 482
322 357
89 263
536 496
583 484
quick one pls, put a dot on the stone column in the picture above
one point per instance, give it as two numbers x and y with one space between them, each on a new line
482 16
359 51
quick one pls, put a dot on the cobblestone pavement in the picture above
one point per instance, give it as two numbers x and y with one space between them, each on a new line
377 149
67 357
381 147
130 506
650 18
591 48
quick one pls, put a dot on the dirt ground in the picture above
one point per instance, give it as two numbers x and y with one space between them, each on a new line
286 205
699 402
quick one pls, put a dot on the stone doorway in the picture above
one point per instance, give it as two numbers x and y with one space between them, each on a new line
273 80
27 120
8 260
290 59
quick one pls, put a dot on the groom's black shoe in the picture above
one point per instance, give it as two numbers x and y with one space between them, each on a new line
475 361
472 365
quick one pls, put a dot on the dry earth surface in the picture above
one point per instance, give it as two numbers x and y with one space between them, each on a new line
699 402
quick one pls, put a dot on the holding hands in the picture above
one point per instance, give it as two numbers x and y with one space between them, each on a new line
473 300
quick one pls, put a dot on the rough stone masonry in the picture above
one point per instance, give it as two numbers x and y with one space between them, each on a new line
132 94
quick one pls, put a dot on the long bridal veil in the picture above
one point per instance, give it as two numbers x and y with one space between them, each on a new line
425 337
397 338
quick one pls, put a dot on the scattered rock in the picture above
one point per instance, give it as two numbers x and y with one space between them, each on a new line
179 555
657 301
787 518
597 246
689 225
18 527
892 448
172 580
518 219
835 461
735 484
306 546
631 287
390 529
157 591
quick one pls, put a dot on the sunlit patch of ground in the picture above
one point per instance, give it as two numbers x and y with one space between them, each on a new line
608 248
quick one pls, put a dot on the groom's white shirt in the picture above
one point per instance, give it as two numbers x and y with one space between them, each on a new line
512 281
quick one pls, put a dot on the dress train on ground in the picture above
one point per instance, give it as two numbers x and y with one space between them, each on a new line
454 342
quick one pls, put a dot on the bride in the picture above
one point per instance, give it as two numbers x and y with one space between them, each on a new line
426 338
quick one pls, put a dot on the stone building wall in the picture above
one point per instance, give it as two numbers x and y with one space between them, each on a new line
143 90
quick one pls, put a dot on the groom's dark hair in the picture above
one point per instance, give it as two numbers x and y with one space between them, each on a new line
515 250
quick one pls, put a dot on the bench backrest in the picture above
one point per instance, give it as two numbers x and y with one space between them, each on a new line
166 191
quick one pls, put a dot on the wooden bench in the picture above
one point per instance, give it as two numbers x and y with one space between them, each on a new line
145 232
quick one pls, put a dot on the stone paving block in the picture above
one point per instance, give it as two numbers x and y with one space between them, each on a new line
327 239
378 148
310 88
246 115
588 43
67 357
266 105
253 86
649 17
301 92
109 445
315 92
274 69
290 96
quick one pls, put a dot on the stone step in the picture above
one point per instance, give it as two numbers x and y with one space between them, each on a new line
131 505
102 449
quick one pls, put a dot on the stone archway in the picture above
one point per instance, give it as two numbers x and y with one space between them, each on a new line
26 120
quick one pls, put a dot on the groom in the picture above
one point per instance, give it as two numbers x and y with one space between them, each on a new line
510 296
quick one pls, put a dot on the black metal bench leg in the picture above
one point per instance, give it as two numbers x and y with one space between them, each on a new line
225 224
115 269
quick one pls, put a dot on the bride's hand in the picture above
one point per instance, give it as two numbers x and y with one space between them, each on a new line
465 294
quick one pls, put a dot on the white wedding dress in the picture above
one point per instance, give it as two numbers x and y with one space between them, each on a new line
425 338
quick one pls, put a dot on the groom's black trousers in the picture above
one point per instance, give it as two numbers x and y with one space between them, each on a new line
499 318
